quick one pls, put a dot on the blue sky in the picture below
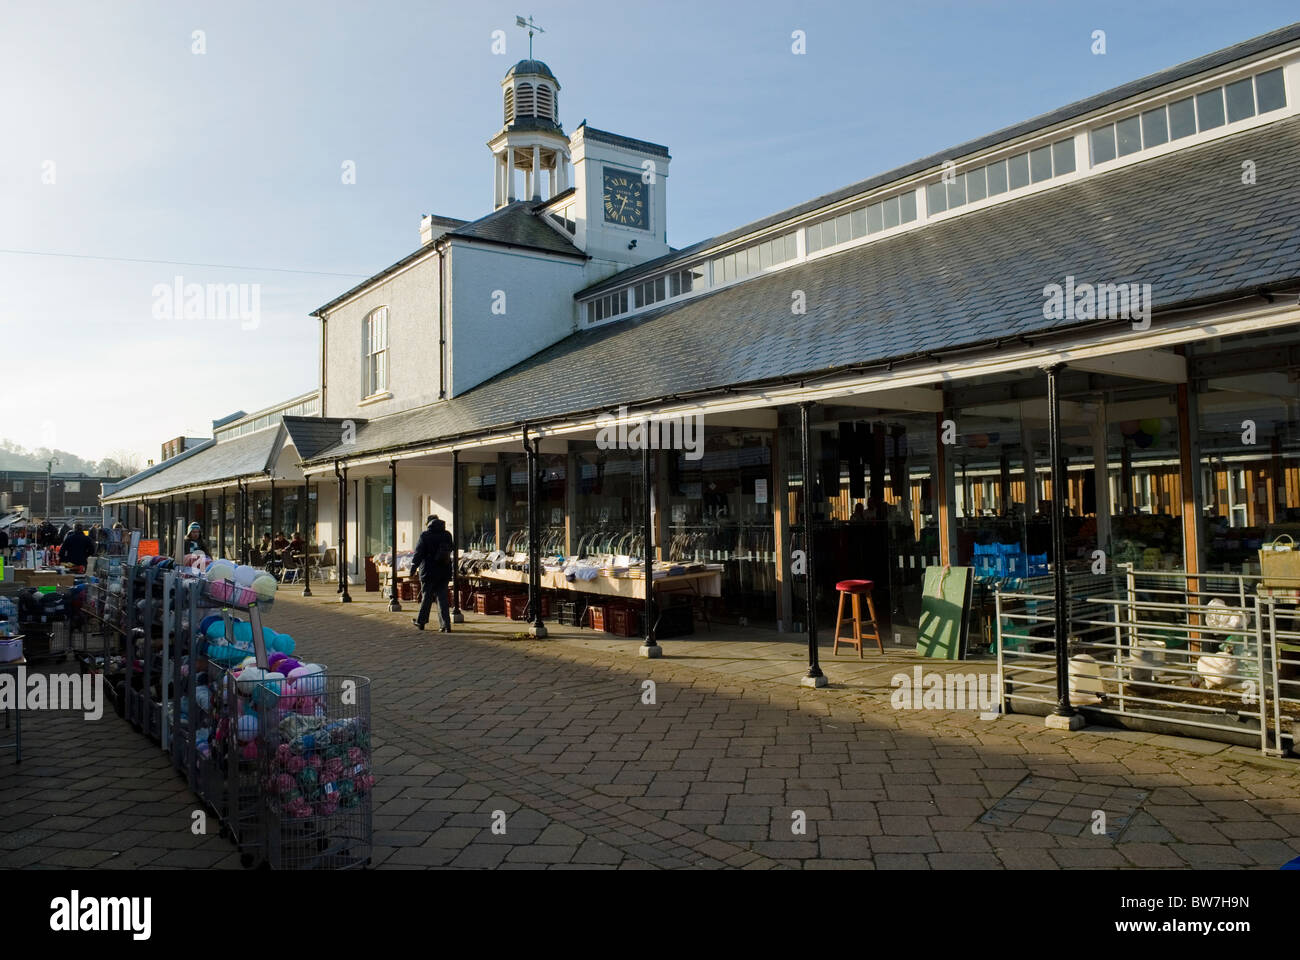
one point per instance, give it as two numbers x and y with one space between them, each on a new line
233 157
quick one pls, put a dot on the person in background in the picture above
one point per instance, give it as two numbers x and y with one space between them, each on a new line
194 542
76 547
280 542
432 561
4 544
46 534
297 545
265 546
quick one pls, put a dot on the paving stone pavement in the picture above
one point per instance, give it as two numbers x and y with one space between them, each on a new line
553 738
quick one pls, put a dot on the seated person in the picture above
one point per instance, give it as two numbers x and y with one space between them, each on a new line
297 546
280 541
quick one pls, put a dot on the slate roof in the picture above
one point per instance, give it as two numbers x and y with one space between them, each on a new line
209 464
516 225
310 435
1183 222
157 468
1182 71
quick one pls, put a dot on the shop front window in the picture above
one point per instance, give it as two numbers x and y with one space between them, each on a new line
379 515
720 511
608 517
478 506
552 474
874 500
1248 426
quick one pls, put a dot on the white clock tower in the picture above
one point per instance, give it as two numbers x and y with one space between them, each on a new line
621 207
531 143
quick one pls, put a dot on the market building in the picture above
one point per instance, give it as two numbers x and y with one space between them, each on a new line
888 365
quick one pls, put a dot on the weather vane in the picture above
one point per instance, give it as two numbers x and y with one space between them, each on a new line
532 28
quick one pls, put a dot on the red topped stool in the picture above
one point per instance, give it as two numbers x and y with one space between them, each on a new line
856 589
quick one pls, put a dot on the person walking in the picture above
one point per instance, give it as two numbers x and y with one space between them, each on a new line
432 561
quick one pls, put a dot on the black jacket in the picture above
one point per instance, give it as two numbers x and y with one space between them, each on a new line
76 548
432 559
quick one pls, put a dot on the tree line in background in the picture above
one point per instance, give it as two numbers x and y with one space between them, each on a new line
120 463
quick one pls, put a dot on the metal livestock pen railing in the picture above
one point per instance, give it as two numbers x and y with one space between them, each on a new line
1211 655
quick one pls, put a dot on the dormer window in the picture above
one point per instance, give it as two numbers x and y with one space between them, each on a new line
374 367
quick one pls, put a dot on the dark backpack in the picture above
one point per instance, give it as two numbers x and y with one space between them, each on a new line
442 555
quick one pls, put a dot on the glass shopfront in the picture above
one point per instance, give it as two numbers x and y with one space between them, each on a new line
232 522
719 509
874 502
379 515
552 473
478 506
1247 406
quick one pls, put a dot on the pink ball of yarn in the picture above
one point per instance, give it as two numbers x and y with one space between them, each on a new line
363 783
315 762
333 768
355 756
249 750
283 783
328 805
295 765
282 754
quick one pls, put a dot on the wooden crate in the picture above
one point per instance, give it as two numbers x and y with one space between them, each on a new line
623 621
517 606
488 602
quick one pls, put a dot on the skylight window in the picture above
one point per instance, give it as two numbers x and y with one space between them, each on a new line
862 222
750 260
992 179
1208 110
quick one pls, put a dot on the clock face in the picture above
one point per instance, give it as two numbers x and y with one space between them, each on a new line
626 199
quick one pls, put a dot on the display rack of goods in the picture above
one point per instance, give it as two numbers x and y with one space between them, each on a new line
317 779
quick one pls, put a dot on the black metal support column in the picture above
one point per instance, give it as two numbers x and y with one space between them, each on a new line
537 628
343 540
650 648
221 526
306 554
393 605
342 495
456 615
814 668
1062 599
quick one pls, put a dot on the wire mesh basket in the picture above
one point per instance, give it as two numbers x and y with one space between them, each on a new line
314 758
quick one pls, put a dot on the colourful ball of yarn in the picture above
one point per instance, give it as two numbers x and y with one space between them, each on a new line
328 805
282 754
333 768
315 762
295 765
283 783
298 808
249 751
363 783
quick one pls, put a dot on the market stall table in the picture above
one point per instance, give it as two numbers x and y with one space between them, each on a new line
704 583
